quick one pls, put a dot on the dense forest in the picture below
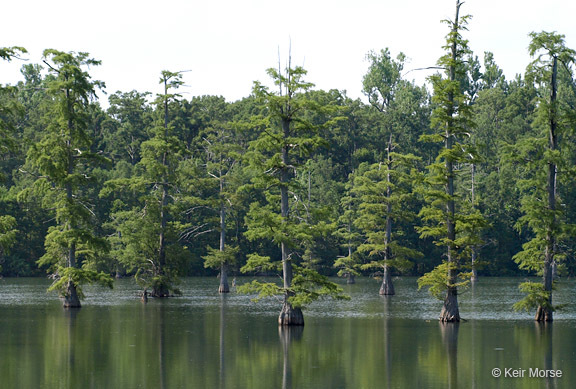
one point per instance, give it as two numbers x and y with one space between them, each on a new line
467 176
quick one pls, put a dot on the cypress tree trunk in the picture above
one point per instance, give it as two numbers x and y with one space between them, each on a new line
289 316
544 311
351 278
71 299
387 288
450 311
223 288
161 289
474 254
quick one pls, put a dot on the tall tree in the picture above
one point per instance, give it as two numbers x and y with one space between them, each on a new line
451 120
62 160
8 106
146 232
286 137
543 213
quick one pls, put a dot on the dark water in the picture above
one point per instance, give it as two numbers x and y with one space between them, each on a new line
204 340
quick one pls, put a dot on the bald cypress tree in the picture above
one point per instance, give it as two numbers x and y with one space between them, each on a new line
61 161
452 123
286 138
146 233
543 160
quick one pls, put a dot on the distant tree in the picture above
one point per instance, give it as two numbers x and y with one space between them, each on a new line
384 193
544 161
348 234
285 138
62 161
8 107
222 157
130 116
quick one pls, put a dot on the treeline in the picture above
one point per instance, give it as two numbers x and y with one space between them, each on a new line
182 185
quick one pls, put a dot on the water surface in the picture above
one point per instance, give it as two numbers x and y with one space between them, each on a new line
207 340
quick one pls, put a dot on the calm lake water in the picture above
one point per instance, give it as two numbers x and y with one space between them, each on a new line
205 340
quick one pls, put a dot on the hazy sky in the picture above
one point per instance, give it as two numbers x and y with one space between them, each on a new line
227 44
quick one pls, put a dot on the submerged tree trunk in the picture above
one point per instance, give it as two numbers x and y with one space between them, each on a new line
160 290
290 316
387 288
223 288
450 312
474 254
71 299
351 279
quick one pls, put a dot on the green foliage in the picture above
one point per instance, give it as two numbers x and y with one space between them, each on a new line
145 235
384 192
8 233
347 266
204 160
307 287
216 258
135 246
78 277
381 82
263 289
439 280
535 297
8 53
259 264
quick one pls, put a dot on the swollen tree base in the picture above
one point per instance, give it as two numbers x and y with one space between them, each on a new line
543 315
71 299
450 312
160 291
387 288
290 316
223 288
